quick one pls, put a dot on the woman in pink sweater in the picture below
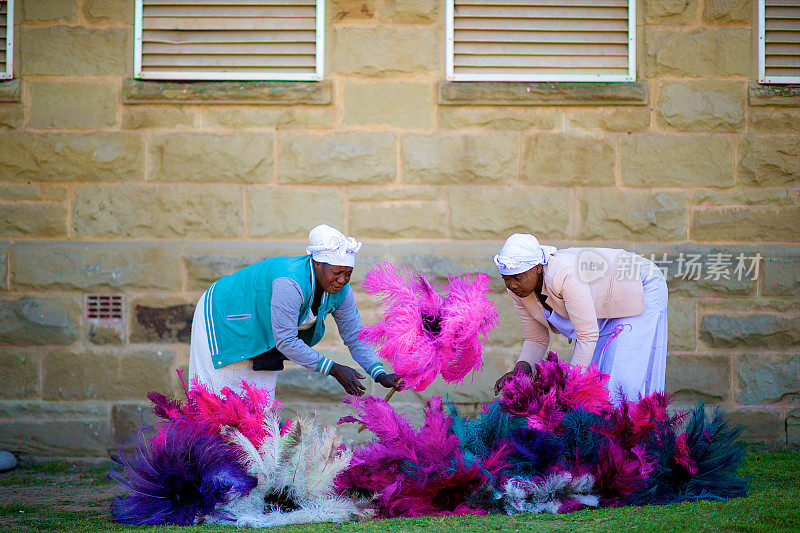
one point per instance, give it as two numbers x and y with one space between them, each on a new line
613 303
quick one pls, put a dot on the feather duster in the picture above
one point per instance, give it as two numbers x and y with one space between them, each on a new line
214 412
424 334
296 476
557 492
479 437
187 475
700 464
552 390
410 473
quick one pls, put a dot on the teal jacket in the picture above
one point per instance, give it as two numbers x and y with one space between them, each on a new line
238 318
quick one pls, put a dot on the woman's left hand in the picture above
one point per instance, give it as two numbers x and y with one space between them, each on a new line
390 381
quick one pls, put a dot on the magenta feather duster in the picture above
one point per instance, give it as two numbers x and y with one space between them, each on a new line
424 334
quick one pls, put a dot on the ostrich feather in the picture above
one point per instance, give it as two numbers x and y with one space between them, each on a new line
424 334
186 476
295 475
548 494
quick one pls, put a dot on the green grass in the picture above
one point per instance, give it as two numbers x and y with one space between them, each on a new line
772 506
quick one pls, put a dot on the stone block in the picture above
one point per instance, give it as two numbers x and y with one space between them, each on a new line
227 92
205 263
127 418
37 321
106 333
782 276
752 224
108 10
542 93
760 94
347 10
287 212
724 11
20 191
400 104
81 375
20 376
44 410
160 211
240 157
793 427
92 266
761 120
268 117
156 320
72 51
302 385
714 52
33 220
447 158
334 158
10 91
759 331
56 438
73 105
497 212
11 116
669 11
701 105
414 10
3 263
164 116
617 119
48 10
367 193
682 336
78 375
142 372
407 220
386 50
769 161
768 379
70 156
759 424
56 192
508 333
698 377
568 160
749 196
499 118
665 160
636 215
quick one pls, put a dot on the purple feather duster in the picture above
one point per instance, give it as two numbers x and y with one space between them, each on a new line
179 479
424 334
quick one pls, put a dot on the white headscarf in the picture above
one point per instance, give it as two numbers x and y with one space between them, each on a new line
329 245
520 253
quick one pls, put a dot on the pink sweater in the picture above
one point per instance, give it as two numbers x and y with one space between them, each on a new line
577 296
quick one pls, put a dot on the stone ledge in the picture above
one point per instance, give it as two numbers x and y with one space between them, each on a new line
778 95
542 93
227 92
10 91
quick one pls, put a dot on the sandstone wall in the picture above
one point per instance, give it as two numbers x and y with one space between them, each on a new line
153 190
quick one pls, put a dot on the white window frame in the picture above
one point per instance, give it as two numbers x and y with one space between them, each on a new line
9 72
449 59
762 57
317 75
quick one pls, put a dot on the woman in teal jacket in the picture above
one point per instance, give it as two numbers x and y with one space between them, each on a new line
247 323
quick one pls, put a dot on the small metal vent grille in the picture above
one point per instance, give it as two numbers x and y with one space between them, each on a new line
104 306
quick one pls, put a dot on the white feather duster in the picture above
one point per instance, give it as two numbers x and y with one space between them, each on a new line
296 476
545 495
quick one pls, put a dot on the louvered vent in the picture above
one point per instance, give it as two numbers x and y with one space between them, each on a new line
6 38
541 40
781 41
104 307
229 39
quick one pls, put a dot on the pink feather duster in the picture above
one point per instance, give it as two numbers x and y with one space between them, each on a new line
424 334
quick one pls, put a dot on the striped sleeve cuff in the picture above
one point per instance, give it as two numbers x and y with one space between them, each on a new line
376 370
324 366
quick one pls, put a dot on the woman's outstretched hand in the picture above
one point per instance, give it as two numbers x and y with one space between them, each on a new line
521 368
348 379
390 381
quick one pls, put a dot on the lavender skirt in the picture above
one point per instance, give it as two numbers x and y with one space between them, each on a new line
632 349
